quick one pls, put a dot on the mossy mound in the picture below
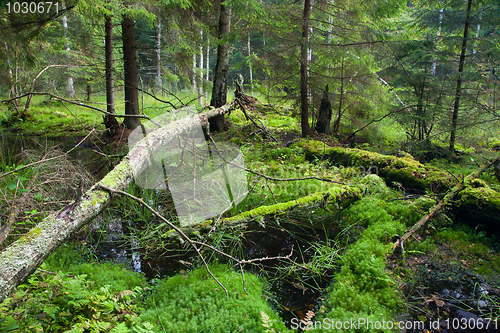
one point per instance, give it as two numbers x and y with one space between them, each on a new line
363 291
480 204
196 303
405 170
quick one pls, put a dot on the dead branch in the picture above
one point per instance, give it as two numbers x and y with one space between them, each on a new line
442 204
79 104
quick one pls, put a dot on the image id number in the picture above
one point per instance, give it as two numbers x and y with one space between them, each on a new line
31 7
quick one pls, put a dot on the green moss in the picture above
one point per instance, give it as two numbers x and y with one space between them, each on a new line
363 288
479 200
30 236
194 302
71 260
405 170
470 246
334 194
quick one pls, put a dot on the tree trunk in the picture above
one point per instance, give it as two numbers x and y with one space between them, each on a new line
130 69
23 257
459 80
71 88
89 91
200 78
250 62
304 79
325 114
193 79
109 121
159 81
438 35
207 65
219 91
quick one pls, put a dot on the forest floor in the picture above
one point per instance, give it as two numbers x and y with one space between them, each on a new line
449 270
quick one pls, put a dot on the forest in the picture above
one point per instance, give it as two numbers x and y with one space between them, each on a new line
250 166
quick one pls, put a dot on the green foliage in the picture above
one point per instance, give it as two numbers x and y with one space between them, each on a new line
196 303
57 303
363 288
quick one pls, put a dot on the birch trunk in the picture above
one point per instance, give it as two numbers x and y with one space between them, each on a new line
71 88
23 257
159 80
207 65
250 62
200 78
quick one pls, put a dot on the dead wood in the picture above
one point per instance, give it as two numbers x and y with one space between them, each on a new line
445 202
24 256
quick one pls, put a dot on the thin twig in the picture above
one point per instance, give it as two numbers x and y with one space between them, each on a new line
273 178
171 225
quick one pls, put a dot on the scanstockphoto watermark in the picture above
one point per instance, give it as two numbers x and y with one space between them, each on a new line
356 323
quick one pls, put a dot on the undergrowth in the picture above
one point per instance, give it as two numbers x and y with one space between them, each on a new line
364 289
65 296
194 302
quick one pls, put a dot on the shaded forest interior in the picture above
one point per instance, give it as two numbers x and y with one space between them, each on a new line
265 166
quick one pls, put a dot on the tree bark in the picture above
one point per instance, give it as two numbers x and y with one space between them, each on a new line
409 173
304 79
207 64
250 62
459 80
336 125
22 257
200 78
159 80
71 88
325 114
219 91
130 69
109 121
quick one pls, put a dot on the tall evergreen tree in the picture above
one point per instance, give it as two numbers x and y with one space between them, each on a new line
130 72
219 90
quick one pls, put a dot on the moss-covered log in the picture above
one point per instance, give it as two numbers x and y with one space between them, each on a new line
467 186
480 204
22 257
335 195
405 170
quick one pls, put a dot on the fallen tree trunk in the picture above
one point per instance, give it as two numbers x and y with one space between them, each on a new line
22 257
336 194
405 170
445 202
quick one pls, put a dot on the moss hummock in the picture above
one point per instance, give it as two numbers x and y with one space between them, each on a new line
480 202
194 302
363 291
